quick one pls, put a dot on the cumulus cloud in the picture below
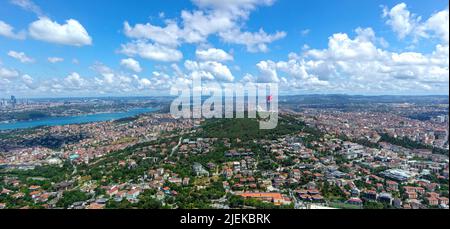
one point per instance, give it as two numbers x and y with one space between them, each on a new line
400 20
144 83
21 56
29 81
358 65
168 35
210 70
7 73
255 42
54 60
438 24
405 23
248 78
340 46
111 81
105 81
131 64
151 51
74 81
199 25
7 30
213 54
409 58
268 72
70 33
225 20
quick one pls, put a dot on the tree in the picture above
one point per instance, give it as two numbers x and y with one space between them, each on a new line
373 205
70 197
147 201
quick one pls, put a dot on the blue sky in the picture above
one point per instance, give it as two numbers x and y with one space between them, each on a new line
345 46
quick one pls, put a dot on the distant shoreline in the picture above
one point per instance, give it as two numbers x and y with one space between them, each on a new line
72 120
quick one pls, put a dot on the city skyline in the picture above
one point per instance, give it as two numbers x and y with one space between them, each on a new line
353 47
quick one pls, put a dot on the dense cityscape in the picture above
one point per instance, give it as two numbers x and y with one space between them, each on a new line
224 113
379 153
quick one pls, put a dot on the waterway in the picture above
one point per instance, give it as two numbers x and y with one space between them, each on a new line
68 120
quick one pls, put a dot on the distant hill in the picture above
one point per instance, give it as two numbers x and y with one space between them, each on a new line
345 99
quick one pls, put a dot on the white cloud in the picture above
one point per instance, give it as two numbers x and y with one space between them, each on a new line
151 51
57 86
74 82
409 58
111 81
255 42
70 33
237 7
27 78
248 78
340 46
144 83
357 65
400 20
106 72
55 59
28 81
7 30
29 6
210 70
349 64
168 35
199 25
268 72
220 71
177 70
438 24
21 56
213 54
225 20
131 64
405 23
8 73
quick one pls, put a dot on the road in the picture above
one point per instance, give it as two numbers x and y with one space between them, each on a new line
175 148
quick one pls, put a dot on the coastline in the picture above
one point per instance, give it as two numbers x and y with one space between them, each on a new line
77 119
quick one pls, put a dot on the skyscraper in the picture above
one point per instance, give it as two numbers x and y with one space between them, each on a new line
13 101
